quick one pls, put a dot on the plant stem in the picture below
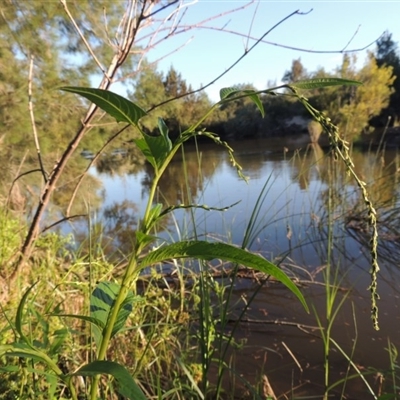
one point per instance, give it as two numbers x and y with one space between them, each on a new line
129 277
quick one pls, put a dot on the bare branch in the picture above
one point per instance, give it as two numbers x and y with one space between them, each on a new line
186 28
162 8
351 39
91 52
61 221
246 52
284 46
92 161
251 26
32 115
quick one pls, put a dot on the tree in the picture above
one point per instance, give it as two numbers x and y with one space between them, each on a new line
153 88
239 118
174 85
41 30
387 55
296 73
351 107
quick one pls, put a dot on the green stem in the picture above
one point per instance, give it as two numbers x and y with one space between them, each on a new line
129 277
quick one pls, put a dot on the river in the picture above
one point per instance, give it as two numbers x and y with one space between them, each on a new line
305 198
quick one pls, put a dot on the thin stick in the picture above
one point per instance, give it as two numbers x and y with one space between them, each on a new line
78 30
251 26
239 59
351 39
292 355
32 115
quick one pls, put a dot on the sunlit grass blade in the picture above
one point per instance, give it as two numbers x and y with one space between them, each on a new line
23 350
19 315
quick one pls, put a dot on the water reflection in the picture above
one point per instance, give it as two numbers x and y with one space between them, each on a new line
185 177
303 184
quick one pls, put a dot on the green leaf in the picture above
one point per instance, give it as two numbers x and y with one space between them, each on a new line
323 82
26 351
208 251
224 93
256 100
144 239
164 132
145 149
101 302
113 104
228 93
19 315
126 384
92 320
155 148
153 217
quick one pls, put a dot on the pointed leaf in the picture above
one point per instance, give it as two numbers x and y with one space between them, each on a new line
20 312
256 100
101 302
145 149
155 149
228 93
113 104
126 384
92 320
224 93
25 351
208 251
323 82
164 132
144 239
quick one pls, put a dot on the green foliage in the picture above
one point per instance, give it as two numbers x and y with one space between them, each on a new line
101 303
387 55
351 107
241 115
319 83
152 88
111 304
43 31
10 235
296 73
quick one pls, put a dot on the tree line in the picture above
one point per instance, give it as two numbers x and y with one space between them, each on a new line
355 110
60 61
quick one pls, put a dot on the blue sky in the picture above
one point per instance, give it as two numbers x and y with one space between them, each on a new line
328 27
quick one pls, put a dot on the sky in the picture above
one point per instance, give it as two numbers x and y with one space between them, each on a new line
325 26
